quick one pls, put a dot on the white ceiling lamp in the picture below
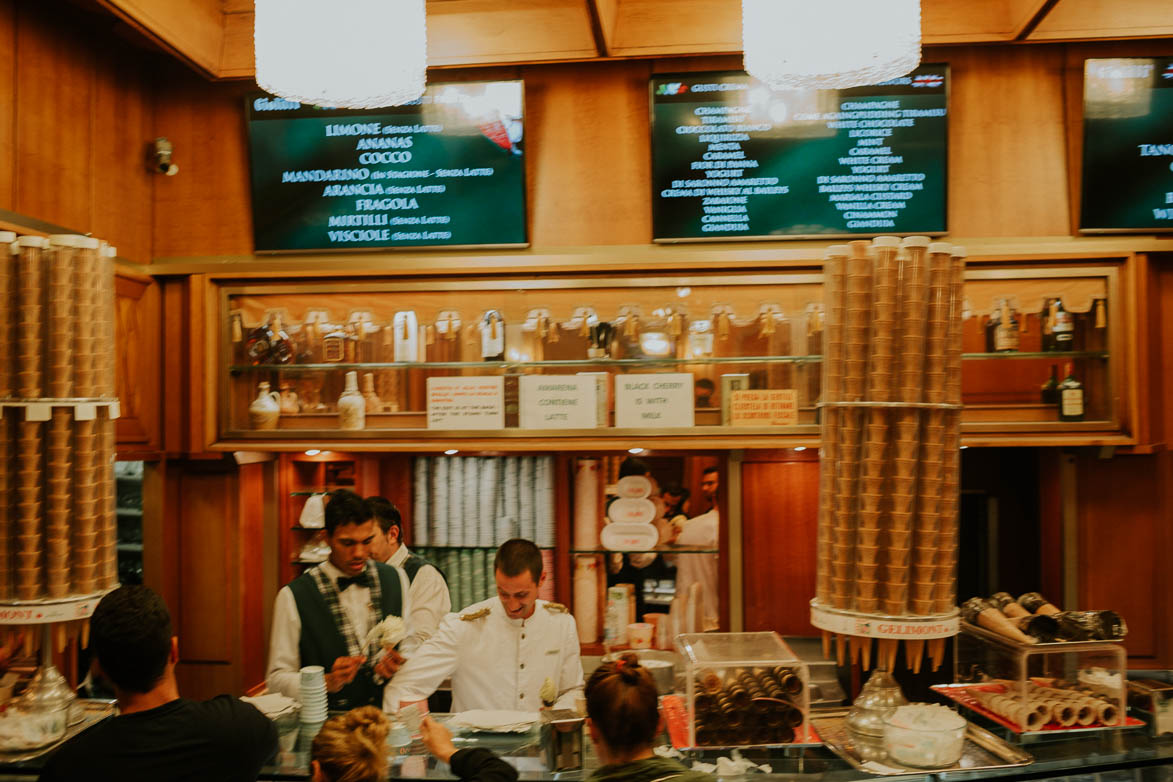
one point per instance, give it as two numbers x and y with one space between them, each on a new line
829 44
354 54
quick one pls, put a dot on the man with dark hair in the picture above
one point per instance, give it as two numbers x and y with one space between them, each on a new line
323 616
430 600
512 651
157 734
710 485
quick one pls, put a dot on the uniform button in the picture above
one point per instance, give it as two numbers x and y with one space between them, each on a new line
523 635
523 666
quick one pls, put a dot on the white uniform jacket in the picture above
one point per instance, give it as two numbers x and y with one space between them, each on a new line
495 662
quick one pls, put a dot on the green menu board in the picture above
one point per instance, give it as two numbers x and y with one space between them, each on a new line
732 159
448 169
1127 145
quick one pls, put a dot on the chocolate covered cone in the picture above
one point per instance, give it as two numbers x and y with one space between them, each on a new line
977 611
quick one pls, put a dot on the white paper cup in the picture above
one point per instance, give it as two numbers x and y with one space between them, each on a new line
639 635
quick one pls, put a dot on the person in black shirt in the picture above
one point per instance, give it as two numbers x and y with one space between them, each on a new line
157 734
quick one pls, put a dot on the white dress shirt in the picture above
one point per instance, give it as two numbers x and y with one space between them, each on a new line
495 662
430 601
284 673
701 531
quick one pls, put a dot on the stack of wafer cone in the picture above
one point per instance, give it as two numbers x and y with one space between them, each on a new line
888 487
8 247
59 305
7 510
86 534
85 314
29 553
30 317
107 555
58 504
106 342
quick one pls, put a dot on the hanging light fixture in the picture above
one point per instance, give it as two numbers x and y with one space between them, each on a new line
829 44
354 54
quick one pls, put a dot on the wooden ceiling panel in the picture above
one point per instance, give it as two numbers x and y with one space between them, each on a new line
467 32
1090 19
192 29
660 27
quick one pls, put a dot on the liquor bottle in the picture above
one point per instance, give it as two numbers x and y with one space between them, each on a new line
1006 329
236 327
280 345
1047 319
1050 390
1063 327
258 346
1071 407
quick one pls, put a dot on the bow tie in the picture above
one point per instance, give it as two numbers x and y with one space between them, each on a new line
359 580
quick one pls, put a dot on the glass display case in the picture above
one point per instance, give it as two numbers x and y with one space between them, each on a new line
742 689
625 355
1049 687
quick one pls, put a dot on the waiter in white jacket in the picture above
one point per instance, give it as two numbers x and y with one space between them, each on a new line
512 651
430 601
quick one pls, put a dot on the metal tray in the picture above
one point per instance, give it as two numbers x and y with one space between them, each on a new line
983 750
93 711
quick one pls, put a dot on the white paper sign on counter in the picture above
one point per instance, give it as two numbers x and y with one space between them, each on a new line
466 402
651 401
558 402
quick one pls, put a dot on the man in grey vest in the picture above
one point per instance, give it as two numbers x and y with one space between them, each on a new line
323 616
430 600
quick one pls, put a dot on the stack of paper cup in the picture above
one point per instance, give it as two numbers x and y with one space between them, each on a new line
313 694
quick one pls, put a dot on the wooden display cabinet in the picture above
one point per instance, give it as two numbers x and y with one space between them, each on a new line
300 476
748 330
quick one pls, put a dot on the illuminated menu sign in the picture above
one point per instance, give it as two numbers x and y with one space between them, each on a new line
1127 145
448 169
732 159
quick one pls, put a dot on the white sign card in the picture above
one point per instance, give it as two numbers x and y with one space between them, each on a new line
651 401
466 402
558 402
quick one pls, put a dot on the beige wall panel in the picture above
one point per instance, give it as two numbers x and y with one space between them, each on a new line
1007 142
1075 19
589 167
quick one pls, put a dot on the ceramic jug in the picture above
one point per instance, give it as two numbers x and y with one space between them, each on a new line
373 403
265 409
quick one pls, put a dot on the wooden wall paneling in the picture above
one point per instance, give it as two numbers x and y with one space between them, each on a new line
137 356
254 511
208 563
8 28
176 383
590 162
1161 357
54 126
160 533
563 574
394 479
654 27
123 126
1119 516
779 534
1007 167
204 210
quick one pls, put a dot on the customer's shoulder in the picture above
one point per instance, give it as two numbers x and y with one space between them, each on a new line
226 707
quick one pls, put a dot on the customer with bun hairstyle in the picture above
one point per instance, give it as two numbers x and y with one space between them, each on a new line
351 747
623 718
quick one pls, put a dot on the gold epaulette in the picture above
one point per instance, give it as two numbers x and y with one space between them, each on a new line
475 615
557 608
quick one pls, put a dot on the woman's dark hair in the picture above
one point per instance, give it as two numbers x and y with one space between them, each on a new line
623 703
345 507
130 637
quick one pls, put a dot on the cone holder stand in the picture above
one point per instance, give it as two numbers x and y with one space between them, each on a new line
49 610
896 628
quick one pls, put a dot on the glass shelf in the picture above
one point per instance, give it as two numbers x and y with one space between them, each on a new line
624 362
431 547
660 550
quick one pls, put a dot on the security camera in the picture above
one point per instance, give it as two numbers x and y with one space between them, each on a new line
161 163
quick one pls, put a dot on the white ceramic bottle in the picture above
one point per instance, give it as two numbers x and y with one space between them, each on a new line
352 408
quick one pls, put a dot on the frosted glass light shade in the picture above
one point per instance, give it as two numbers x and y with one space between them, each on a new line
829 44
355 54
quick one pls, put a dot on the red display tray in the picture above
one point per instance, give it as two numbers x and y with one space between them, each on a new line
675 714
959 693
